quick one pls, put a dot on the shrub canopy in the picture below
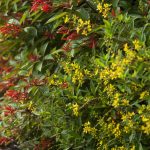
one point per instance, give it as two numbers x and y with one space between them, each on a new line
75 74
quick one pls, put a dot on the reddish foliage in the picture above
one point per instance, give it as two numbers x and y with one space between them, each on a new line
64 85
5 85
44 5
37 82
10 29
63 30
46 8
33 57
7 69
8 110
49 35
67 47
113 13
65 5
72 36
92 42
4 140
43 145
16 96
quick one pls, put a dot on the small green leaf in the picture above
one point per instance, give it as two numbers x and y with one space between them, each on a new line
58 16
47 57
14 21
39 66
83 14
115 3
92 87
32 31
43 48
140 146
24 16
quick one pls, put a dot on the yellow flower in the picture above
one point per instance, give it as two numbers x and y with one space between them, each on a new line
127 116
74 18
84 32
145 119
133 147
126 129
30 106
144 94
116 131
51 82
146 128
77 29
106 10
125 102
81 22
96 71
116 100
75 108
87 72
87 127
75 66
119 148
100 7
103 8
137 44
126 47
66 19
141 109
78 75
110 89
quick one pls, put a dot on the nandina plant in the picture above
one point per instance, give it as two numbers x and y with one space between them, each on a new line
74 74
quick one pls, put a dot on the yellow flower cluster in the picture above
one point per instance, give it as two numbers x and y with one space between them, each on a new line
116 130
54 80
30 106
118 67
125 102
143 108
66 19
130 55
75 108
74 70
118 148
146 127
88 73
66 67
116 70
116 100
127 116
144 94
104 9
88 129
77 77
123 148
110 89
83 26
137 44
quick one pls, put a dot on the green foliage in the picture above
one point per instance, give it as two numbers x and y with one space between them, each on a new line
75 74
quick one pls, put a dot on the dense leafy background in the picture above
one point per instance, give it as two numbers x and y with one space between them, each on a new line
75 74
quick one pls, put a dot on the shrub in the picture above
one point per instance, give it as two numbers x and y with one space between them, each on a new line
75 74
